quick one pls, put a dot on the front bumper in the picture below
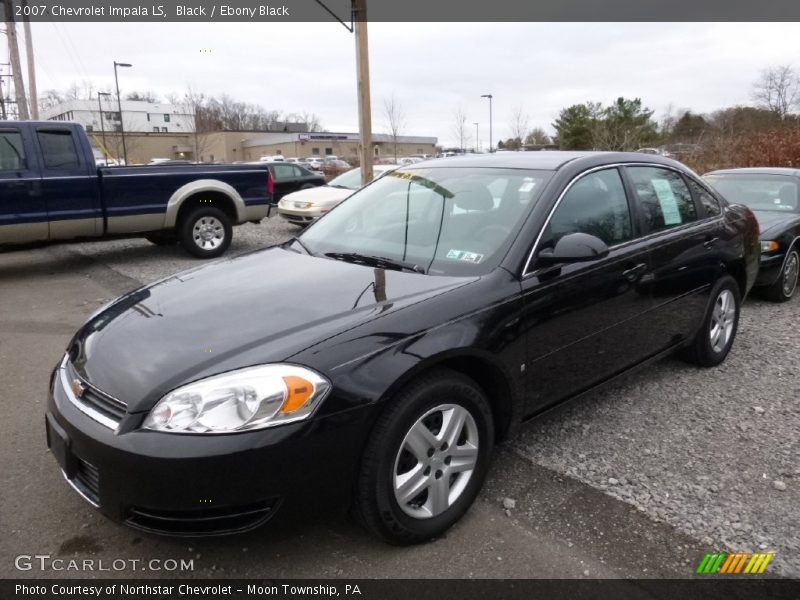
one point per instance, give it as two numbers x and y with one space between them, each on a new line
300 216
770 268
183 484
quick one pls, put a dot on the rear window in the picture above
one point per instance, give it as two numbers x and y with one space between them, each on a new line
58 149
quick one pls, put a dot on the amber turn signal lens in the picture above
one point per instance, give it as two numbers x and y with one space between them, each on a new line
298 392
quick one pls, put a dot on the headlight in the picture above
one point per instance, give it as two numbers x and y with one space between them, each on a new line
769 246
242 400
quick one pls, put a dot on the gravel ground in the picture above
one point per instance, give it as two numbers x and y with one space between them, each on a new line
715 453
712 452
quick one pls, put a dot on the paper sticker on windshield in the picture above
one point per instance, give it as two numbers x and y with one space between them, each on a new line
465 256
668 202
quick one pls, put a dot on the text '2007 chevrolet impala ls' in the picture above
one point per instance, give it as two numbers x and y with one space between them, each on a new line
374 362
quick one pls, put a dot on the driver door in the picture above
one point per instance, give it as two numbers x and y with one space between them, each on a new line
586 321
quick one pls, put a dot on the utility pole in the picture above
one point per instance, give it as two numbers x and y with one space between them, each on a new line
34 100
477 139
119 106
364 104
102 123
16 68
2 100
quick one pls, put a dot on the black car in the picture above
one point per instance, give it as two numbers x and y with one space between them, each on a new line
772 194
375 361
288 177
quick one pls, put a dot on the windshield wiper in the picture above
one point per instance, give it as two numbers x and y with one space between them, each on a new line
375 261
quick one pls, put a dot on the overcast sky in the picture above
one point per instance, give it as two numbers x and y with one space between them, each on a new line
432 68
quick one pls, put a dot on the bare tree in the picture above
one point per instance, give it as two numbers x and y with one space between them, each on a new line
520 124
460 129
778 90
310 120
538 136
194 103
395 119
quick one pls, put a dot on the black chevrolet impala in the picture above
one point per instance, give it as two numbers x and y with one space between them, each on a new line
375 361
773 194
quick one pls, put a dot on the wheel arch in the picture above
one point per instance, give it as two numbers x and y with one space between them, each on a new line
502 391
202 192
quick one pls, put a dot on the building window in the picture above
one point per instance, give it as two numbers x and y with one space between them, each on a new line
155 129
164 130
328 151
166 118
117 128
89 128
148 117
315 151
112 116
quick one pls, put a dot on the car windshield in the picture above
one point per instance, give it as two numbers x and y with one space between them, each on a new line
441 221
758 191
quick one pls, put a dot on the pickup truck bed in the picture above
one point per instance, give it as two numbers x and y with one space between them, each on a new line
51 189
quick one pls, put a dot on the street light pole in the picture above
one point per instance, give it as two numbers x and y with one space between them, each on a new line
489 96
119 106
102 124
477 139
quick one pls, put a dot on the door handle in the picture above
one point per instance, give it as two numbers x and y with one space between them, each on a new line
632 274
710 242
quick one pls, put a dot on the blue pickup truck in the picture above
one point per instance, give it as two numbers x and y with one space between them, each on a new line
51 189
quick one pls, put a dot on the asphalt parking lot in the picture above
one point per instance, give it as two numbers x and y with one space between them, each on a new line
638 480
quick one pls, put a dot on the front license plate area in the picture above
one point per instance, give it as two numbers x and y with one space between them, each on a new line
59 444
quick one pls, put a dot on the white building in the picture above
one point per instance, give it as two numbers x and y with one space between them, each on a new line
139 117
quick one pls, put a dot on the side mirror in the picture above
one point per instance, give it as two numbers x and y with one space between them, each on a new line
574 247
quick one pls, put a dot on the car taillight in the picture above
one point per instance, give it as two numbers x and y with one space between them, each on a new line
270 184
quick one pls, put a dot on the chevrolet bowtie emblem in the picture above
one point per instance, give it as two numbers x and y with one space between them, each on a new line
77 388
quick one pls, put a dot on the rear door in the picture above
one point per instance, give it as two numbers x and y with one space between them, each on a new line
587 321
23 212
69 184
685 246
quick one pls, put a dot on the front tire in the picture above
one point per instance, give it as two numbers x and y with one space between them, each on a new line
206 232
715 338
426 459
784 287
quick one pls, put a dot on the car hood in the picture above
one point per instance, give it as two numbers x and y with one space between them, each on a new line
258 308
772 221
319 195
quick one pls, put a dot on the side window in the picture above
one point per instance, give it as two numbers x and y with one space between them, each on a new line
58 149
662 197
12 152
297 171
596 205
284 172
707 201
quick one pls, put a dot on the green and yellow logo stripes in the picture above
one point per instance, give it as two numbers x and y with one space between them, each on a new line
734 564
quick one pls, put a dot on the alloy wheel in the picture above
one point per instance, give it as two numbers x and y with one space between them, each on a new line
790 272
435 461
723 318
208 233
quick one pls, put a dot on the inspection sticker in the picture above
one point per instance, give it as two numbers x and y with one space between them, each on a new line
465 256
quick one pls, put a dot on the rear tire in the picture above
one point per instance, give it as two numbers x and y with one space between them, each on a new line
715 337
206 232
426 459
784 287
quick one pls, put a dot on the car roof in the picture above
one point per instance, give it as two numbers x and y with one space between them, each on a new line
546 160
757 171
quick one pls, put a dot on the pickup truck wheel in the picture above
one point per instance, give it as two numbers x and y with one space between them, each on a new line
162 238
206 232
